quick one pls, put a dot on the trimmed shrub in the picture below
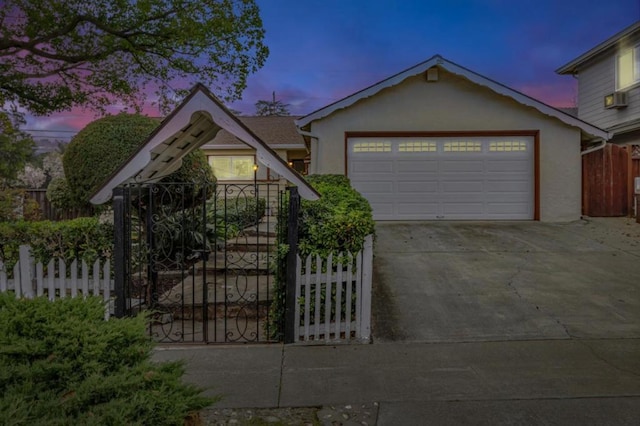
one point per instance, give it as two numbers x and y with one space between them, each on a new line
61 363
99 149
337 222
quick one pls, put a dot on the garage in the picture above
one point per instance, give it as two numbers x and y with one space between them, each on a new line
438 141
451 178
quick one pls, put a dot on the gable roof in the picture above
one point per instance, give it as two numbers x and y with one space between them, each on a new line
279 132
572 66
437 60
194 122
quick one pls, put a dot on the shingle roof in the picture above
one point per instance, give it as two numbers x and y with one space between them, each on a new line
276 131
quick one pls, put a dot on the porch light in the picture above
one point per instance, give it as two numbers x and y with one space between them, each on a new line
255 167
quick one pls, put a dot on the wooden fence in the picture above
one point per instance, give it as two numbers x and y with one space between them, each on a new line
607 180
334 296
57 279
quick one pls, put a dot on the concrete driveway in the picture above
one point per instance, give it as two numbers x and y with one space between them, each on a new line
494 281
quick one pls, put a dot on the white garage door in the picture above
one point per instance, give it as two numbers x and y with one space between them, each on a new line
464 178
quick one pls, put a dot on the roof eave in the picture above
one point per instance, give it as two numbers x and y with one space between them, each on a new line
465 73
572 66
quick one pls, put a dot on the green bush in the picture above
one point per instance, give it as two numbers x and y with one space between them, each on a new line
59 194
83 238
239 213
337 222
61 363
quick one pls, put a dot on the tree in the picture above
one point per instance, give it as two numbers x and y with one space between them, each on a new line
272 107
58 54
16 149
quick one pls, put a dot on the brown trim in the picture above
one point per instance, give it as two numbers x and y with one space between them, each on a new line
466 133
536 175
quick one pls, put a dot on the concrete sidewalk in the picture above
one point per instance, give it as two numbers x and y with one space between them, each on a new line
570 381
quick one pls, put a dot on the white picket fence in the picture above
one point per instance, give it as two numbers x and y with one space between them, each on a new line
334 305
57 279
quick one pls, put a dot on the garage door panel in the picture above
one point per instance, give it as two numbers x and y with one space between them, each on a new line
446 178
372 166
412 166
463 208
417 208
418 187
494 186
508 208
382 209
507 166
375 187
461 166
462 186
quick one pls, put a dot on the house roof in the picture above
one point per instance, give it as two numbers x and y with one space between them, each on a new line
279 132
610 43
437 60
194 122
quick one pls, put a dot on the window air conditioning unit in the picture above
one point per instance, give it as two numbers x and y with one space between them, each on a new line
615 100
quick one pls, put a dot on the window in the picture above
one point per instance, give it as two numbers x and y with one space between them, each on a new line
507 146
417 146
463 146
372 147
232 167
628 68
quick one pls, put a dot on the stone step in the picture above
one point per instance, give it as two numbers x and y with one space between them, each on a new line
221 289
237 260
246 243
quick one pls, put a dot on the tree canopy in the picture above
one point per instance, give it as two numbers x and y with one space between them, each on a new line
58 54
272 107
16 148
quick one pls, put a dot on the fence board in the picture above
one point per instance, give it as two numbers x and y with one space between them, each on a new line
327 299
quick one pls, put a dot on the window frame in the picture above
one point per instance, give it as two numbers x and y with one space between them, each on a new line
635 67
249 176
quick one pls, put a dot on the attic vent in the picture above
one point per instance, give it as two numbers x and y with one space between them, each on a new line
432 74
615 100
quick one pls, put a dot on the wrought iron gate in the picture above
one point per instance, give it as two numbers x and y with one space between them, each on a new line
200 259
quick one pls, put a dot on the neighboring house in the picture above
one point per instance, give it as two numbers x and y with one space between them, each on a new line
609 85
438 141
232 160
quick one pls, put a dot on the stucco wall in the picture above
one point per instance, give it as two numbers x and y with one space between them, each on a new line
455 104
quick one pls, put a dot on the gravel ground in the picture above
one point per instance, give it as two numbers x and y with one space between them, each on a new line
335 415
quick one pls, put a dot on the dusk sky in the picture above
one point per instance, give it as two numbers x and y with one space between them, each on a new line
324 50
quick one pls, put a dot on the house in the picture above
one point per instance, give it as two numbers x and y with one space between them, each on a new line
439 141
233 160
609 85
609 97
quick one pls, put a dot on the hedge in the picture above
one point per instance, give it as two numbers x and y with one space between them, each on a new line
84 238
